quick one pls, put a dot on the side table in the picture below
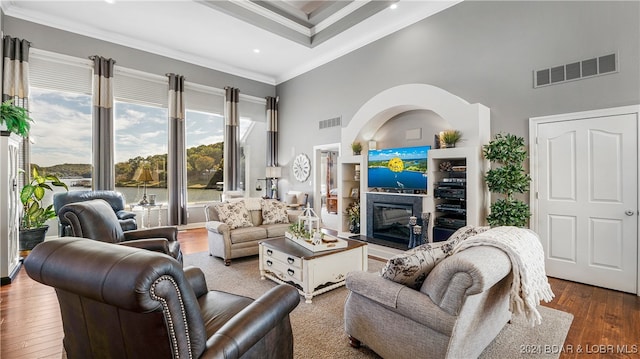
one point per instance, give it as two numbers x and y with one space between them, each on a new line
313 273
148 208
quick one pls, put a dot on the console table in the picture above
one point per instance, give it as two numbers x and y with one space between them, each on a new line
313 273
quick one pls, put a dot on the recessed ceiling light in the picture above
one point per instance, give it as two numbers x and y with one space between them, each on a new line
110 1
257 51
393 6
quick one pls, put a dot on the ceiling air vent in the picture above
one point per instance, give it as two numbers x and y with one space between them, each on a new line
332 122
602 65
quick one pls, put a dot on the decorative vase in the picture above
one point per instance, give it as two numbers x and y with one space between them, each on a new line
354 226
29 238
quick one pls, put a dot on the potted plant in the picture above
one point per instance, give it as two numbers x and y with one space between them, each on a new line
508 178
356 147
353 211
34 213
16 119
449 138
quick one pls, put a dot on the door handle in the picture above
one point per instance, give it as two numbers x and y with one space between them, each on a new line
629 212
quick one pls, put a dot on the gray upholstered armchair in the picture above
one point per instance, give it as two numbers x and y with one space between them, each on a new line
94 219
115 199
131 303
459 309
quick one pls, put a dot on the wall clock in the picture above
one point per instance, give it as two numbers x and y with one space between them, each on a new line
301 167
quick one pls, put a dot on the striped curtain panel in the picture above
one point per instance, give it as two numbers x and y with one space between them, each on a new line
102 101
176 170
231 139
272 131
15 85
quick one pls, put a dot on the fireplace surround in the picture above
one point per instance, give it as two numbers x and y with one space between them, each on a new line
389 218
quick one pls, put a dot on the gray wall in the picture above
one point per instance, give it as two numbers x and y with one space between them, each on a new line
483 52
72 44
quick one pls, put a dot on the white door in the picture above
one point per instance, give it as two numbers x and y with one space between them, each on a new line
587 199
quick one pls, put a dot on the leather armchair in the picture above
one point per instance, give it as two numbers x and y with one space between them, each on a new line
131 303
94 219
115 199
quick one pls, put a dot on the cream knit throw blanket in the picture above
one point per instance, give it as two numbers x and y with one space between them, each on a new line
530 284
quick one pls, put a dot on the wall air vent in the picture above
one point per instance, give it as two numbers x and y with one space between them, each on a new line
603 65
332 122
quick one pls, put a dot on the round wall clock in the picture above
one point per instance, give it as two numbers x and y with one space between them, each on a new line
301 167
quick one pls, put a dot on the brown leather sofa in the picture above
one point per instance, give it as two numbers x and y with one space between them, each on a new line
94 219
121 302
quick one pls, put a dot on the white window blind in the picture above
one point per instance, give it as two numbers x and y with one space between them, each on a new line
252 108
203 98
141 87
52 71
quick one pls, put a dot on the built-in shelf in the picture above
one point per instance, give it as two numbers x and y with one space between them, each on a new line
350 187
462 198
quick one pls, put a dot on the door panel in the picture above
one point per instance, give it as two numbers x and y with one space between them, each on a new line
587 187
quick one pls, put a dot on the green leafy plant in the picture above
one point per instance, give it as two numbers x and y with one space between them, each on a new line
15 118
35 214
356 147
298 230
449 138
353 211
508 178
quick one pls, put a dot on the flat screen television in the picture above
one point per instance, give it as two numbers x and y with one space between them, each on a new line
402 168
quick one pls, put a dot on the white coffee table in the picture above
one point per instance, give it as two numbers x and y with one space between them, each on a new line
313 273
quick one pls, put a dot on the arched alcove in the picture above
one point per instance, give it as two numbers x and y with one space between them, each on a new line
471 119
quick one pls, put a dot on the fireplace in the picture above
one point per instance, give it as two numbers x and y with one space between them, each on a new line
388 218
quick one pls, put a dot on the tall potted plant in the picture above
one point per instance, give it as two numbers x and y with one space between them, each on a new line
16 119
507 178
34 212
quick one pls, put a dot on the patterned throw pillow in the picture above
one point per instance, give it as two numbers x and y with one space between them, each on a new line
412 267
234 214
274 211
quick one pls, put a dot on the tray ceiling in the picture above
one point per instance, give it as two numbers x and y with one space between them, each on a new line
267 41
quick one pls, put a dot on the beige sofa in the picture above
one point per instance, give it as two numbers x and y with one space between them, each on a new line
227 243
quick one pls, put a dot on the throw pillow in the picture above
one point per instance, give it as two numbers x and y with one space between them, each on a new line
412 267
274 211
234 214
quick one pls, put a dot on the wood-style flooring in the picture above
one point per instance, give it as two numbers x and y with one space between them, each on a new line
606 323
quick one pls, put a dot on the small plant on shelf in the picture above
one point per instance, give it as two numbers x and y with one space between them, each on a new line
507 151
449 138
356 147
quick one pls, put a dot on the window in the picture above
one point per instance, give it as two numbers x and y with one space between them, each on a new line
140 141
205 149
61 137
60 104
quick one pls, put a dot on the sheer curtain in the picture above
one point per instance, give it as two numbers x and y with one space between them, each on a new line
232 139
176 171
15 85
103 157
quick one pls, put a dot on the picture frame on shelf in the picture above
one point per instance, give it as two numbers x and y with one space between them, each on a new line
355 192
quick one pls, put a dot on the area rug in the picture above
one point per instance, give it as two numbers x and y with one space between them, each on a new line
318 328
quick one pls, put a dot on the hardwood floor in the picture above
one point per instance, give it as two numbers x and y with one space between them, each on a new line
606 323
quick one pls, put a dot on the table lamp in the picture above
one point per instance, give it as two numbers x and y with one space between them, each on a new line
145 176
